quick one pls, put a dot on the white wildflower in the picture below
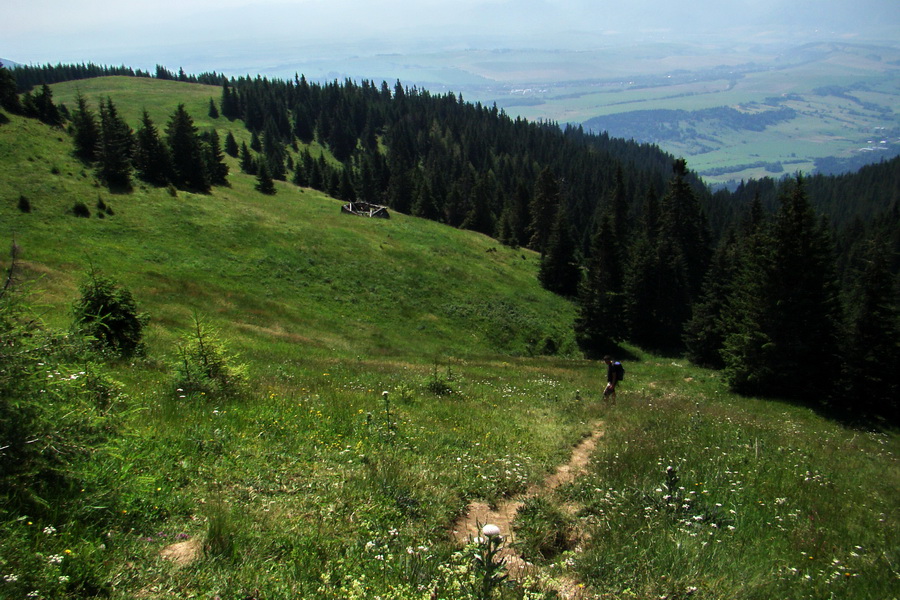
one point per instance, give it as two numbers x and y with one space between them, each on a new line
490 531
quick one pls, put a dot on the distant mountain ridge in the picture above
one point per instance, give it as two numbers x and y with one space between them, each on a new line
9 64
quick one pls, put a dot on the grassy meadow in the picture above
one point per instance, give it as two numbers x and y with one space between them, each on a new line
313 483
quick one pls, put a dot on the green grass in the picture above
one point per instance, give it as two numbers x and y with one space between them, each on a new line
315 485
770 500
132 95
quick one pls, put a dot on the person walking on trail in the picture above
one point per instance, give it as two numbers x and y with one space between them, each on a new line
614 374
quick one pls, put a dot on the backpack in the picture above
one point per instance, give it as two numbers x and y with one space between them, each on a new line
620 371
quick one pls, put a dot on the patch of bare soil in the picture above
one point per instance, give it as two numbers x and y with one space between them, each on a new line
182 553
480 513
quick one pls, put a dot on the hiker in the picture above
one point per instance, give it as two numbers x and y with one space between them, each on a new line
614 374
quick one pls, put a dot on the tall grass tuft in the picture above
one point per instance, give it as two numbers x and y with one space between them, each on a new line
543 531
221 532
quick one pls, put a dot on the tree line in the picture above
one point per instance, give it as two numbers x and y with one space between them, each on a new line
31 76
756 281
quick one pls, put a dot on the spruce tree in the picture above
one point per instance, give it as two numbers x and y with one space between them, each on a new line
264 182
332 182
642 286
347 191
151 158
341 140
302 167
425 205
215 159
107 313
600 321
618 204
231 147
667 265
188 164
230 103
248 163
559 271
9 97
115 148
318 173
543 209
683 223
783 317
400 191
304 125
873 352
657 304
511 230
704 333
273 152
366 186
480 216
44 108
85 130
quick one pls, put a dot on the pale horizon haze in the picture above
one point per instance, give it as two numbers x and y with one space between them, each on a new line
231 36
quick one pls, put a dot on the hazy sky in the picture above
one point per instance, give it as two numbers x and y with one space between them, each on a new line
141 34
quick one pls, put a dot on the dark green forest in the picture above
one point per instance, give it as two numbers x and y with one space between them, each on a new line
789 285
650 124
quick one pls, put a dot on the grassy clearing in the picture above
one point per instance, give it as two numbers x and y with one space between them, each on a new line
315 484
699 493
132 95
291 264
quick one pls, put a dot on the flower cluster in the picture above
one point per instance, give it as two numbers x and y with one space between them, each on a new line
503 474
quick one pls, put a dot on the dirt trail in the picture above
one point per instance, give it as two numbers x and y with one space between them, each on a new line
466 527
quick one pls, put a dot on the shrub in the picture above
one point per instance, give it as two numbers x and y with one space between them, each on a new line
24 204
439 386
80 209
53 416
205 365
108 314
103 207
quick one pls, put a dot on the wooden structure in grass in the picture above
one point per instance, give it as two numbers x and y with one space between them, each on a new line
365 209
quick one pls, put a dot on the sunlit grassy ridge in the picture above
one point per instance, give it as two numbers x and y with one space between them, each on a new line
316 485
290 264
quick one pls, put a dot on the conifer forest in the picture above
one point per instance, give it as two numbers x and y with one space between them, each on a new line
789 286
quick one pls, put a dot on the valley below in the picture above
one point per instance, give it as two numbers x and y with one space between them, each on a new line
735 112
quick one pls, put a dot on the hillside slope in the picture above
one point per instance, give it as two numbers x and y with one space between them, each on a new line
288 267
383 398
